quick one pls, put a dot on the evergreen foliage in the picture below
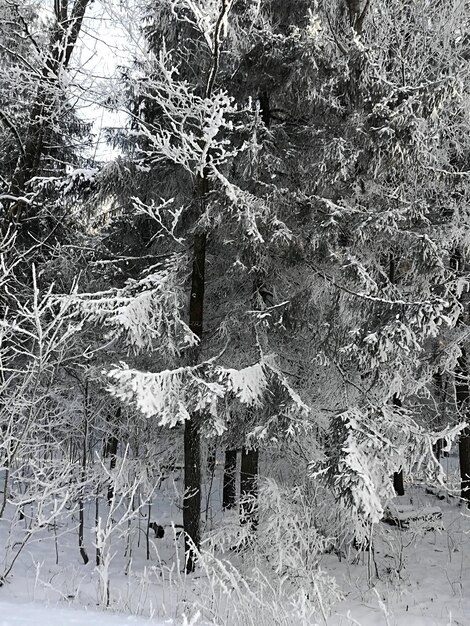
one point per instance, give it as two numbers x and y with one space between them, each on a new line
276 263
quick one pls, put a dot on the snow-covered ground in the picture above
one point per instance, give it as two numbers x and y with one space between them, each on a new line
416 576
15 614
423 572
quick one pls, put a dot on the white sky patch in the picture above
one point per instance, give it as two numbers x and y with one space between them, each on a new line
109 36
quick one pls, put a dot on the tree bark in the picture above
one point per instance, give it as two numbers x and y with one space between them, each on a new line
192 492
464 458
398 476
250 457
110 451
398 483
462 396
192 429
249 486
97 521
229 494
357 13
211 457
192 435
81 512
357 10
441 403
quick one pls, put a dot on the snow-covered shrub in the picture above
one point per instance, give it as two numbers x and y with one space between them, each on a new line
367 446
285 545
259 597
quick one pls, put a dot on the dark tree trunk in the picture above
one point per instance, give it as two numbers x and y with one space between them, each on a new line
440 397
192 430
192 435
192 491
357 10
229 494
464 457
398 483
265 109
81 513
113 446
357 13
249 486
398 476
211 458
462 396
97 519
250 457
110 450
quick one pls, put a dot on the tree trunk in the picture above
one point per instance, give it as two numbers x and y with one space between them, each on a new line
357 13
250 457
113 446
441 403
110 451
211 458
464 458
192 428
229 494
97 520
462 396
398 476
192 436
81 512
398 483
192 491
249 486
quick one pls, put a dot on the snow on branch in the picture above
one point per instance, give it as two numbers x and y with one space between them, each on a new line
251 212
248 384
204 16
145 312
367 447
162 394
403 334
196 128
174 396
160 214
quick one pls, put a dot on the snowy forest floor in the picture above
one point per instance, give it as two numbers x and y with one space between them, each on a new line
418 576
423 571
15 614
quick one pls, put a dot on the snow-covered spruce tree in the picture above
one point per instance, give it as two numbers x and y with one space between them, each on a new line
39 126
394 196
201 145
317 181
365 185
40 137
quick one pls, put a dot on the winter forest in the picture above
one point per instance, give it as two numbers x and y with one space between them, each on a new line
235 312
